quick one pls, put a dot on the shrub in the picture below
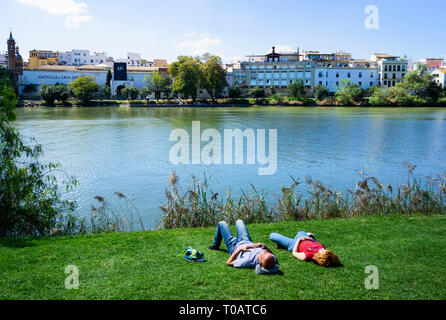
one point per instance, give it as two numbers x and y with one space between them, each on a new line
296 89
51 93
234 92
320 92
349 93
130 93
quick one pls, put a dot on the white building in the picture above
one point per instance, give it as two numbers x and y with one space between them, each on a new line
391 69
440 77
65 74
3 61
77 57
331 77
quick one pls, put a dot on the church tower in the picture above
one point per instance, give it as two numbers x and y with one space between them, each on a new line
11 54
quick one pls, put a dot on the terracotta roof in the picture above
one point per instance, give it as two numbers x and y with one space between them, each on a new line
160 62
383 55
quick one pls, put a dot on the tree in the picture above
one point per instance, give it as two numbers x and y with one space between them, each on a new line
30 201
186 75
349 92
256 93
296 89
108 79
105 92
234 92
84 88
130 93
145 92
160 83
213 75
421 83
320 92
51 93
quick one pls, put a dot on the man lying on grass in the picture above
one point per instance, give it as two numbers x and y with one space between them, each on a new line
244 253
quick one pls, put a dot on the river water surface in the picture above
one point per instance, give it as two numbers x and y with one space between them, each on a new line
126 149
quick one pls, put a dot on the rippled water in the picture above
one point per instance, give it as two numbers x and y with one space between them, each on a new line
127 149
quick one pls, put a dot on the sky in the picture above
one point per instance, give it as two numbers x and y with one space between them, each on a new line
230 28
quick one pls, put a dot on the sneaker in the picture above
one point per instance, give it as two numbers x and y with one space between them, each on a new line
213 248
192 254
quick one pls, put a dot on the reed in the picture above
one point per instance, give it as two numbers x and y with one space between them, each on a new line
198 206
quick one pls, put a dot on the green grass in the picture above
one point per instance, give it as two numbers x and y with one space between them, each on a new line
410 252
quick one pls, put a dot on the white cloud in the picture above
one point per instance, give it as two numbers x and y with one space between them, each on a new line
75 12
199 44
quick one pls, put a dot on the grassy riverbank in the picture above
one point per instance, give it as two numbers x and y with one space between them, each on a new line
409 252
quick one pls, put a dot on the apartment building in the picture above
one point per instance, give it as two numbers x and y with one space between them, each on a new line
78 57
391 69
38 58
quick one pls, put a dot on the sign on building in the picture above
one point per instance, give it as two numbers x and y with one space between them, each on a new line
120 71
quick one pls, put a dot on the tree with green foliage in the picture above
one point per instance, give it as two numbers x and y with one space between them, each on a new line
50 93
160 83
105 92
421 83
186 73
234 92
296 89
212 75
145 92
84 88
130 93
30 201
320 92
256 93
108 79
349 93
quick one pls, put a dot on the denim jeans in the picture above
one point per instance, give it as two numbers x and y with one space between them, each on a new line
223 232
286 242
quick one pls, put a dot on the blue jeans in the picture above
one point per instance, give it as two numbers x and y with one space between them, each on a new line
286 242
223 232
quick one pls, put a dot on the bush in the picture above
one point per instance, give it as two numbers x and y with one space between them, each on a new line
349 93
296 89
320 92
256 93
130 93
51 93
234 92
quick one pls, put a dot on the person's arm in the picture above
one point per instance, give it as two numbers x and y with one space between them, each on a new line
296 253
234 256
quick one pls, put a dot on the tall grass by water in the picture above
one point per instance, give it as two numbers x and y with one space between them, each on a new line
198 206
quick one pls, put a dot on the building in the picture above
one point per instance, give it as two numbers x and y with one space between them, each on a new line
440 77
282 69
160 63
434 63
15 62
4 60
331 77
77 57
34 78
38 58
391 69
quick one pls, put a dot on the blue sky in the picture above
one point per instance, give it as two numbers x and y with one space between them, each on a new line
230 28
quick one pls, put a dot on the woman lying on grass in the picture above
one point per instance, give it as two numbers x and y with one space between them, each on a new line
304 247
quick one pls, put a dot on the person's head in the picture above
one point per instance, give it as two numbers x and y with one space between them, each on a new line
326 258
267 260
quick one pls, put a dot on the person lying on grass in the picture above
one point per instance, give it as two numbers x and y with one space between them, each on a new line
243 252
304 247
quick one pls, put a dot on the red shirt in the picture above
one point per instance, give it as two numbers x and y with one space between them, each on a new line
309 247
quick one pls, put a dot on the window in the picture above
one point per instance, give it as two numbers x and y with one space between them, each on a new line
261 75
399 68
371 75
402 75
337 74
403 68
394 76
337 83
300 75
283 82
371 83
284 75
385 83
385 68
307 75
360 83
385 75
320 82
360 74
276 75
321 75
253 67
260 82
276 83
292 75
253 82
348 75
